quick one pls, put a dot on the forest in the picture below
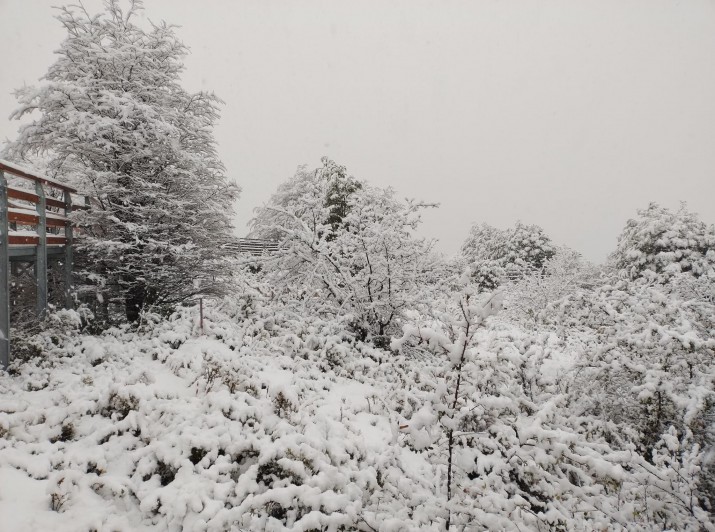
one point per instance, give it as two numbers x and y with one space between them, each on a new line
354 378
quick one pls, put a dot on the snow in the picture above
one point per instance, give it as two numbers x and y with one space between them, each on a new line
352 379
22 232
167 428
22 500
124 390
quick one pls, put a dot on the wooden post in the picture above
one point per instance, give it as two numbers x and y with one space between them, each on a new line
201 315
69 259
41 252
4 276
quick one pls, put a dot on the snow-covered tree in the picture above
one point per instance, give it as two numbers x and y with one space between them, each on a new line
564 273
322 193
528 248
496 255
661 243
357 257
485 242
112 118
444 419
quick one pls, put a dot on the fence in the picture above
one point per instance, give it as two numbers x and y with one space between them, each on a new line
253 246
31 220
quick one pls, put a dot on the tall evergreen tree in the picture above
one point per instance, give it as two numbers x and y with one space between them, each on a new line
114 120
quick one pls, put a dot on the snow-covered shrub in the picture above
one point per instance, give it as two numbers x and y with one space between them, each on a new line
120 402
277 418
661 243
62 486
644 380
528 248
488 274
652 351
526 454
300 444
67 322
445 420
496 255
527 300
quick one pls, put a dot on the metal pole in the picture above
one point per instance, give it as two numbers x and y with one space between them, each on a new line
4 276
41 254
69 259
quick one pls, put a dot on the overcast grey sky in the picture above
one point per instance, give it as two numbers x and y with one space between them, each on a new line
568 114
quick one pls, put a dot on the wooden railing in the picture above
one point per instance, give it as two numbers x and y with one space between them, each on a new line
253 246
34 226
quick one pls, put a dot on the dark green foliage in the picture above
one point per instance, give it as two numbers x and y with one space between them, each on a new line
340 188
166 473
67 433
197 454
120 405
272 472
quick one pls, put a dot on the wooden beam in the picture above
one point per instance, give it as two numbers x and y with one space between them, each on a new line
19 171
4 276
23 218
34 240
58 204
31 218
21 194
41 257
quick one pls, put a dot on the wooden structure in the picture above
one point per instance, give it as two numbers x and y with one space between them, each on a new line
34 228
254 246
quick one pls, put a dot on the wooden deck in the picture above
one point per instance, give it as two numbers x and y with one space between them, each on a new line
34 227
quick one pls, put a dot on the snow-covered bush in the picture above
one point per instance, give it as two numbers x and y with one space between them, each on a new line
496 255
527 299
514 455
661 243
444 421
276 419
644 380
528 248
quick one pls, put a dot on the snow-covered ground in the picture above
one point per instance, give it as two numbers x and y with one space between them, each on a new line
272 420
169 429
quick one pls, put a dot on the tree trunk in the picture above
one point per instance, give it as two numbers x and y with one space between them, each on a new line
134 301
